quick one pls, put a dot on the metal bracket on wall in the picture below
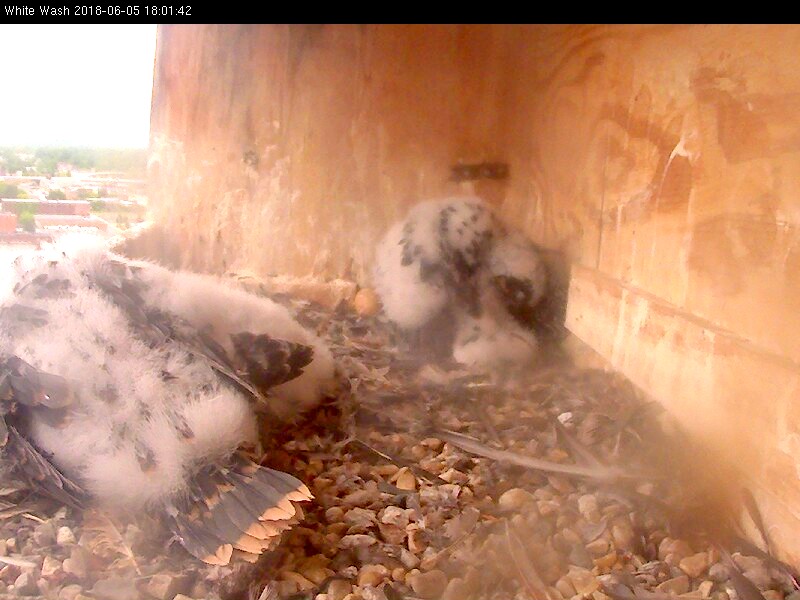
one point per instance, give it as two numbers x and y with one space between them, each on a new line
484 170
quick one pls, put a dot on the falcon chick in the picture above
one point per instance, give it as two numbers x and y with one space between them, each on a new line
135 388
452 260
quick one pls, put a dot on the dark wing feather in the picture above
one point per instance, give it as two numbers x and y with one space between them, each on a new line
124 287
24 388
269 362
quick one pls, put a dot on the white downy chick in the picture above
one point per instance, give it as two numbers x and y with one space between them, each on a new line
132 387
454 256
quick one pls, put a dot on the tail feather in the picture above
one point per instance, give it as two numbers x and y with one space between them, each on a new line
237 512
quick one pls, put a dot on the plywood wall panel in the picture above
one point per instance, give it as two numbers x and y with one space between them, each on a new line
291 148
669 158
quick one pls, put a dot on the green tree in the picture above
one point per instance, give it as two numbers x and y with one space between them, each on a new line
56 195
8 190
27 221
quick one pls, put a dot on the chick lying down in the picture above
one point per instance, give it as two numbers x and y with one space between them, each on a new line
141 387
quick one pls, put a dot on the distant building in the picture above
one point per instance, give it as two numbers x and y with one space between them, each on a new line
53 223
8 222
47 207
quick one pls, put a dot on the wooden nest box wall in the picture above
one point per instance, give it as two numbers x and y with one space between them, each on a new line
663 161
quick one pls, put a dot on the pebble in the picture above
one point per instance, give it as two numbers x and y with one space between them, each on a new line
678 549
694 565
394 515
760 576
50 566
302 583
676 585
515 499
705 588
115 588
164 586
357 540
406 480
76 563
335 514
338 589
372 575
428 585
598 547
44 535
64 536
772 594
456 589
366 302
588 508
565 587
718 572
25 585
69 592
583 580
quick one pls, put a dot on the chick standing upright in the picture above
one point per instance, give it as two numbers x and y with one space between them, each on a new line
131 387
452 259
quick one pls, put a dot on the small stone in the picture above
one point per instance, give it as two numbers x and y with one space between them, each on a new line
369 592
515 499
394 515
759 576
598 547
406 480
588 508
361 518
409 560
678 548
399 574
456 589
705 589
335 514
164 586
583 580
433 443
718 573
3 549
364 496
366 302
50 566
372 575
386 470
357 540
76 563
69 592
338 589
604 563
64 536
115 588
565 587
44 535
303 584
454 476
772 594
428 585
11 544
393 534
415 543
694 565
676 585
623 535
25 585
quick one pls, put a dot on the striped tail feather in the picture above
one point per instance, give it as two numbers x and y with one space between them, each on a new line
237 512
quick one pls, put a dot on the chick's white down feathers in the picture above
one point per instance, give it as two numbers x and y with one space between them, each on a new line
453 256
129 394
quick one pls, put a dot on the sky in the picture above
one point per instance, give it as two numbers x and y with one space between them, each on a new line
77 85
